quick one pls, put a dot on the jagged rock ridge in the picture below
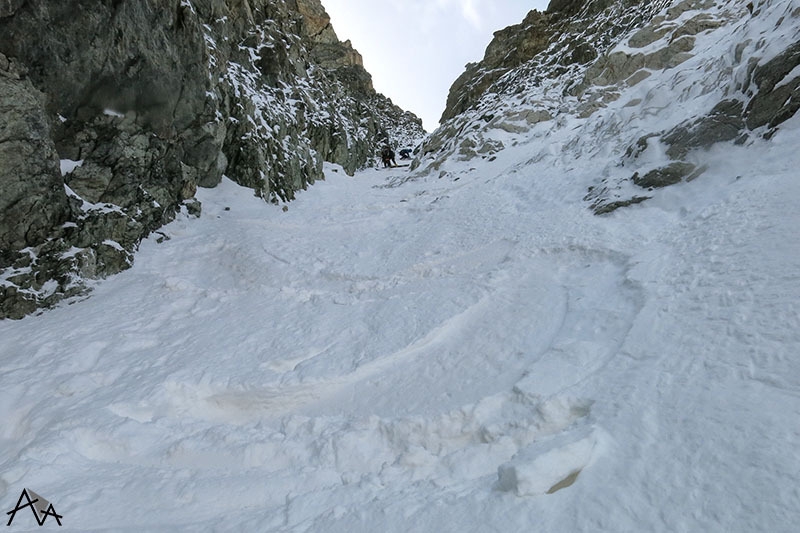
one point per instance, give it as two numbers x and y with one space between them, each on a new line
649 86
117 111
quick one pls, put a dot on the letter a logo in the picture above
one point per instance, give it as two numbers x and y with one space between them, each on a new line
40 508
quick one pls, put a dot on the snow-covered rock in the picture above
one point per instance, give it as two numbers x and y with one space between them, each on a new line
646 86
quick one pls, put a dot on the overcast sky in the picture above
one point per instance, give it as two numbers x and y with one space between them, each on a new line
415 49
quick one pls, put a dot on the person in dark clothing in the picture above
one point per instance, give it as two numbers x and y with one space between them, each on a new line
405 153
387 156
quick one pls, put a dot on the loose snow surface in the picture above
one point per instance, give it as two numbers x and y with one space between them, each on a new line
472 353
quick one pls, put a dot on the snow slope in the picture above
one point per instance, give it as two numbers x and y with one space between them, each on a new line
464 350
477 353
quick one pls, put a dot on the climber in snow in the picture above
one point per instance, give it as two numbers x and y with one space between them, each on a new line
405 153
387 156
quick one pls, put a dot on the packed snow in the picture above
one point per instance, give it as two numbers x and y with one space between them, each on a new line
472 353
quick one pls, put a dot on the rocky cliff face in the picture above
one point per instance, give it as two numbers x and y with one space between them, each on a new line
652 84
112 113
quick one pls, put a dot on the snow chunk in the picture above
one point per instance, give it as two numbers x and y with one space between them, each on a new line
549 465
114 244
68 165
89 206
49 288
72 252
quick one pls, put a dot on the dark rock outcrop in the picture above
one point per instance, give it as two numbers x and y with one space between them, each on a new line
143 101
664 176
32 202
724 122
778 96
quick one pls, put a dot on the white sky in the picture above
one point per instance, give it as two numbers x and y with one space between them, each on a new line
415 49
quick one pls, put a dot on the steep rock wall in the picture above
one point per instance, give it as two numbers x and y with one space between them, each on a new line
654 84
116 111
